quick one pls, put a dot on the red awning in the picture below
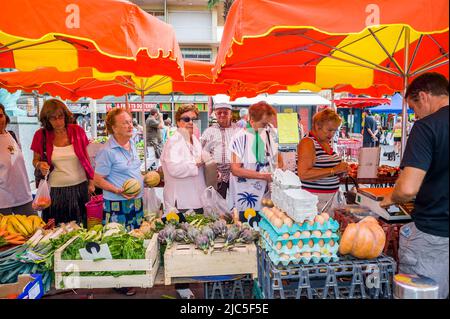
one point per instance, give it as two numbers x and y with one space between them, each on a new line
360 102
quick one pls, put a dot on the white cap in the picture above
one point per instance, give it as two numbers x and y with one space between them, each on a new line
222 106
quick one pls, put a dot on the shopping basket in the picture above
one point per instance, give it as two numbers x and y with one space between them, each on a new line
94 211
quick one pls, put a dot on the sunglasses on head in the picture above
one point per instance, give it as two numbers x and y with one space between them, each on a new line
188 119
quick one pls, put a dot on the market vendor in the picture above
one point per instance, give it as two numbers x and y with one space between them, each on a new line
423 247
182 161
216 140
254 157
318 163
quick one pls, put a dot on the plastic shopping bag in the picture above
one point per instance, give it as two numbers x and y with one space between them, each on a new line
152 203
42 199
214 205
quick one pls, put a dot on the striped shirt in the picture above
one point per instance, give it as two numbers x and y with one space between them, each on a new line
324 159
216 140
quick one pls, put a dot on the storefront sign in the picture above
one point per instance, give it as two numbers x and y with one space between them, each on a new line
134 107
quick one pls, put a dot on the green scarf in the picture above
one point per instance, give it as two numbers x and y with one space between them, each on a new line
258 147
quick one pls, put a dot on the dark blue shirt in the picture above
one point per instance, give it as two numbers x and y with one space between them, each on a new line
427 149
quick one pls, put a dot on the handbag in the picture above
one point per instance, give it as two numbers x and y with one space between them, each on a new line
349 195
38 176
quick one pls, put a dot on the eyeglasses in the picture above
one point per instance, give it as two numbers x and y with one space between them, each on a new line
188 119
56 117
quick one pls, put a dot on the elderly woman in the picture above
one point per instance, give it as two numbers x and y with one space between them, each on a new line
71 174
115 163
318 164
15 192
182 162
254 156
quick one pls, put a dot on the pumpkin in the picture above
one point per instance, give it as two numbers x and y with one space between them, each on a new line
152 179
363 240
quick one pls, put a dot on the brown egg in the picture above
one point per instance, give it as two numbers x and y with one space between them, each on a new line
285 256
286 236
328 233
321 243
316 254
300 244
311 222
331 243
297 234
306 233
288 222
277 222
298 255
325 216
279 245
316 233
289 244
306 254
319 219
311 243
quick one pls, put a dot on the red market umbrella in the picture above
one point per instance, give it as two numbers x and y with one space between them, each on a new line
360 102
109 35
357 44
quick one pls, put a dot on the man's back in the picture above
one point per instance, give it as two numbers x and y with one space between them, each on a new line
427 149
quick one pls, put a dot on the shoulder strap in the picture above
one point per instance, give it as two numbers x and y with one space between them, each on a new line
14 136
44 145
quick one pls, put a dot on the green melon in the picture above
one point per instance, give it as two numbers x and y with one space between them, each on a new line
131 187
152 179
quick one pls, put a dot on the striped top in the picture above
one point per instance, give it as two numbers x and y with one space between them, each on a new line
324 159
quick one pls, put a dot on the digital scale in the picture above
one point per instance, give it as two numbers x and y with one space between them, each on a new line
371 198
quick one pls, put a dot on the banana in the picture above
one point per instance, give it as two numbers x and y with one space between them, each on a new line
36 221
4 221
10 229
26 223
18 225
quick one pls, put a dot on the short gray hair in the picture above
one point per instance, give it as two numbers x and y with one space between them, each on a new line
243 112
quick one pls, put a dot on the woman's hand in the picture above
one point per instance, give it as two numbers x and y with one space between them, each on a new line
119 191
266 176
91 187
342 167
43 167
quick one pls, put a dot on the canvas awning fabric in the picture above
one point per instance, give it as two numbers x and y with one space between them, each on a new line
334 44
108 35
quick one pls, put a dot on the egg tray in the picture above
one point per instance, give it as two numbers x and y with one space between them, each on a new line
331 224
276 258
278 236
306 247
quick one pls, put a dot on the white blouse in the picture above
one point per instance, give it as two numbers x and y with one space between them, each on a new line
14 184
184 182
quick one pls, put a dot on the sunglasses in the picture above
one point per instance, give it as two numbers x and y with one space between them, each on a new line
187 119
56 117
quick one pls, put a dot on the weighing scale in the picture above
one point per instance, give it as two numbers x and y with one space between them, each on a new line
371 197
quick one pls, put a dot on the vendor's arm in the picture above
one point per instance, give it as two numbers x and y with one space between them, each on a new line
406 187
238 171
416 162
306 159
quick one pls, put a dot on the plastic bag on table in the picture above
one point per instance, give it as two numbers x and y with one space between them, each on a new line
42 199
152 203
214 205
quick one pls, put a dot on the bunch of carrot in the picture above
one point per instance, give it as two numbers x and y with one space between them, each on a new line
7 238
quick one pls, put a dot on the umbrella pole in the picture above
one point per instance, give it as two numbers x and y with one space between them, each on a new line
144 130
405 85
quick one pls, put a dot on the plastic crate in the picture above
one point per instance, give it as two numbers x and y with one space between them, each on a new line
348 278
237 288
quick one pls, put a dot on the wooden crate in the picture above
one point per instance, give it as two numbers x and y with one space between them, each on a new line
183 260
74 281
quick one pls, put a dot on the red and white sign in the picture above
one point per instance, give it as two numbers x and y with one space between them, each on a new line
134 107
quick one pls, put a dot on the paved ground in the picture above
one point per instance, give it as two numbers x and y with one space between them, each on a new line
157 292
